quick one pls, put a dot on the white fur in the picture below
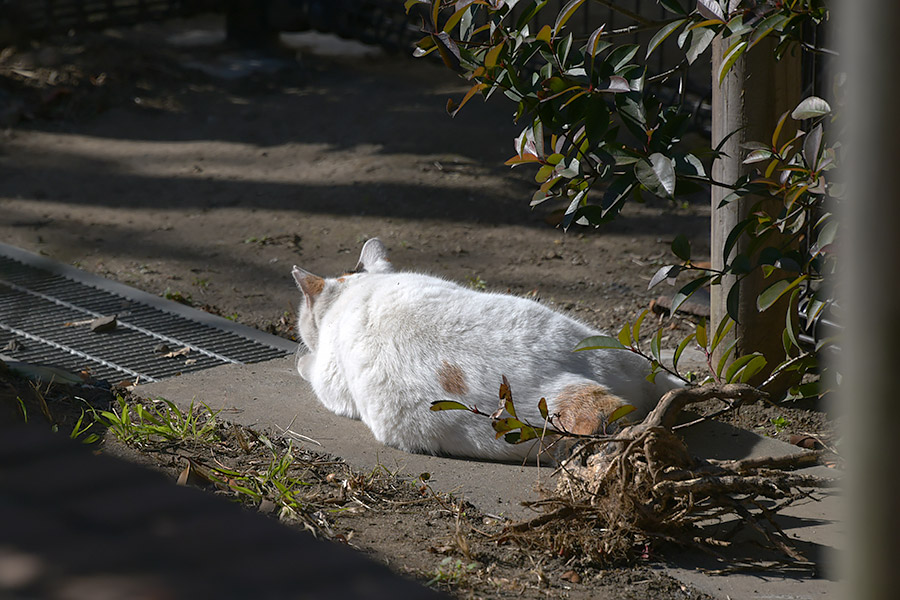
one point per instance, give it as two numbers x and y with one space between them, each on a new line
377 340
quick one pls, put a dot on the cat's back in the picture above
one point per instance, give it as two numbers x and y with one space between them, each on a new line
421 311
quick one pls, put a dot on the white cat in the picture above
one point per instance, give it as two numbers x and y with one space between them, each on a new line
383 346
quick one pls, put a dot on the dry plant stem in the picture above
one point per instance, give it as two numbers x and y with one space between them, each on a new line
643 484
672 403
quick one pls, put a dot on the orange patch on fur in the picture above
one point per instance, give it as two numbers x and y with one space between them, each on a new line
313 285
584 408
452 379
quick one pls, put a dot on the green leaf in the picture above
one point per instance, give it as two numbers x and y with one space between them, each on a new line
596 120
657 174
599 342
617 85
543 174
734 367
448 405
501 426
566 13
625 335
632 111
810 108
545 34
510 406
789 326
771 294
673 6
625 409
449 51
752 368
455 18
701 38
680 349
527 433
594 44
662 34
410 3
542 408
778 127
733 237
766 26
490 59
786 342
619 57
656 345
710 9
733 301
681 247
826 236
700 333
663 273
690 165
636 328
725 354
685 292
812 147
758 156
730 58
722 330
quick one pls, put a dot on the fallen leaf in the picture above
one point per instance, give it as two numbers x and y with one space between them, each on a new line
176 353
78 323
571 576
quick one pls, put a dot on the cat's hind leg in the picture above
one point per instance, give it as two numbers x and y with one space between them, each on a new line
585 408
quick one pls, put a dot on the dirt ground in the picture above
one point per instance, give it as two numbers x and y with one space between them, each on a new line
144 155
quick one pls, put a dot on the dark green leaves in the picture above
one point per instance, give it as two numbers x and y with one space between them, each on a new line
731 56
657 174
661 35
711 10
566 13
681 247
596 120
771 294
685 292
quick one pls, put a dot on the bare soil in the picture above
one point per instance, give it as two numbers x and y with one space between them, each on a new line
125 155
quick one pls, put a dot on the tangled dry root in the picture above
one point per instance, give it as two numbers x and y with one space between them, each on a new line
643 486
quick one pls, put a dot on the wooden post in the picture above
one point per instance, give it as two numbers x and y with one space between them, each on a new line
752 97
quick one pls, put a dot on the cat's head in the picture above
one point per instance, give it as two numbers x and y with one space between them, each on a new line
319 293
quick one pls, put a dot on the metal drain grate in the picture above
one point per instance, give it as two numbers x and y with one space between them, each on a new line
40 300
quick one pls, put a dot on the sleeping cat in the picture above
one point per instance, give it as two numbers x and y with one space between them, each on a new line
384 345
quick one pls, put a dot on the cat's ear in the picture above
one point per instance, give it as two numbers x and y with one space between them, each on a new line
374 258
311 285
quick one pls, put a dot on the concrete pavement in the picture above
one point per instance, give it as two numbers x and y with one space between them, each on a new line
271 395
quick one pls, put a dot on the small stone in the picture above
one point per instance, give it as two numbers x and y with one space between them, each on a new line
104 324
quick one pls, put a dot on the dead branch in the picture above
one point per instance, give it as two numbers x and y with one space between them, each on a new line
643 484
